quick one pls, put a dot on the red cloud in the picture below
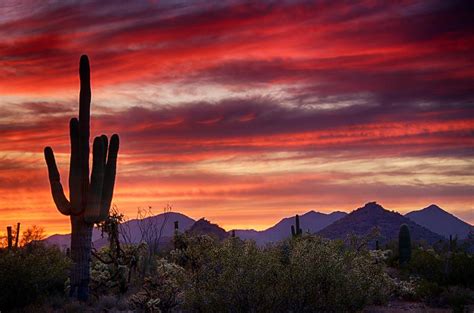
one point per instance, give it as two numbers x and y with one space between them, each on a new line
323 80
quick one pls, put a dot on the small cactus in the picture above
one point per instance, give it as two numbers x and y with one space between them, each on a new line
9 237
17 235
404 245
453 243
295 229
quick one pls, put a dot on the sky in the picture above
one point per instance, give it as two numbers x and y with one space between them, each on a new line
243 112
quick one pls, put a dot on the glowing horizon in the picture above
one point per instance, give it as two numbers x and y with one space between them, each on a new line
244 113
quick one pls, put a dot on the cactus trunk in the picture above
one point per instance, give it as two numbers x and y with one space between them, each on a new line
176 227
297 224
17 235
404 245
295 229
81 238
89 200
9 237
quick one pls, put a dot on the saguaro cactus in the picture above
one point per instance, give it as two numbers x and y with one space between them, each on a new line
404 245
295 229
89 200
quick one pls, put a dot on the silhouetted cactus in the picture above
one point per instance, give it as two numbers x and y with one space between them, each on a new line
377 246
176 227
89 201
17 235
453 243
404 245
9 237
295 229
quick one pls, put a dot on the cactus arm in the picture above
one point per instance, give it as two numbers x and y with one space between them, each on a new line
84 127
59 198
91 214
297 226
75 168
17 235
106 148
293 231
404 245
84 98
9 237
109 179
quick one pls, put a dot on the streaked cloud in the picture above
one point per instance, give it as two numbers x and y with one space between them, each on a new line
244 112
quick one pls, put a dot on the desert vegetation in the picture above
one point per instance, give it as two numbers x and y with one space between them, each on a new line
201 273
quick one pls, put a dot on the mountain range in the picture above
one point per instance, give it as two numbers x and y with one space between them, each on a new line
132 230
311 222
363 220
430 224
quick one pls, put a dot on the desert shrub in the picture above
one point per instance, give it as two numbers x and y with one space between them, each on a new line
108 278
162 291
380 256
428 291
113 273
300 275
32 273
234 274
457 298
443 268
405 289
325 275
461 269
427 264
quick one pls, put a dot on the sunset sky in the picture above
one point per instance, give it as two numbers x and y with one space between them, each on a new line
243 113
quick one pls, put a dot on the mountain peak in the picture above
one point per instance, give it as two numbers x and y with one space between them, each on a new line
372 206
439 221
205 227
313 212
362 221
433 207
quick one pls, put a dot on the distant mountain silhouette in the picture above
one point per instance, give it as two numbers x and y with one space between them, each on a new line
132 229
441 222
310 222
63 241
362 220
423 226
204 227
184 222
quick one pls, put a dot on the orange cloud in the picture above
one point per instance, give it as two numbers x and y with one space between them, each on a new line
269 108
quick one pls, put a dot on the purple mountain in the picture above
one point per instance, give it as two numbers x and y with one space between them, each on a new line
361 222
132 230
429 224
204 227
441 222
310 222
